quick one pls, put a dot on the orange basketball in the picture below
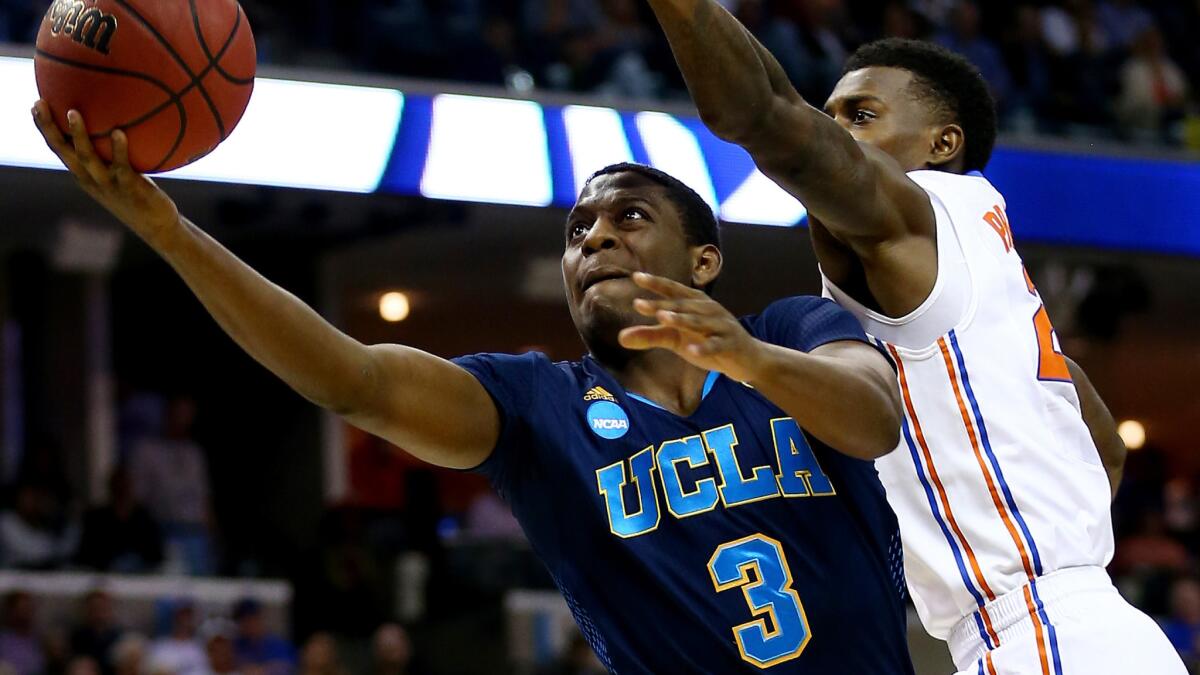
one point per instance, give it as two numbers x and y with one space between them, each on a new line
175 75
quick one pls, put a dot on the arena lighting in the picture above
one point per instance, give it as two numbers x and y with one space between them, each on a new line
1133 433
294 134
509 151
488 150
394 307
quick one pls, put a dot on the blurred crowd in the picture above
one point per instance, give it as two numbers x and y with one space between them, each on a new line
186 643
1125 69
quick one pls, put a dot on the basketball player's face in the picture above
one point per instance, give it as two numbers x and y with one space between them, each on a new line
622 224
878 106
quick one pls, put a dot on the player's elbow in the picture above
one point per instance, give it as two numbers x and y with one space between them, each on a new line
749 125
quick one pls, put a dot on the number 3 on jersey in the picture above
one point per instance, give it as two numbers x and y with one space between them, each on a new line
1052 365
769 595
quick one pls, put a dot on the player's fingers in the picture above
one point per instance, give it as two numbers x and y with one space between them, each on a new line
649 337
667 288
84 149
701 306
710 347
694 323
121 169
54 138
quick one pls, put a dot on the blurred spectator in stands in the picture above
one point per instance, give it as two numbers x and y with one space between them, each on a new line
1181 512
170 476
826 35
1183 625
128 655
577 659
1123 21
256 646
1028 63
83 665
33 533
778 34
320 656
1150 549
120 536
964 35
1081 63
20 645
1153 87
96 635
218 637
899 20
180 652
391 651
400 36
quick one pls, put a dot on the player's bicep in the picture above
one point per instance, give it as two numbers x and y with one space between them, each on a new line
866 360
428 406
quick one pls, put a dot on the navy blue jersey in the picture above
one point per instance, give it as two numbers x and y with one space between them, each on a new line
725 541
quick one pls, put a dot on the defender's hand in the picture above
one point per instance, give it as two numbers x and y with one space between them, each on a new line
128 195
694 326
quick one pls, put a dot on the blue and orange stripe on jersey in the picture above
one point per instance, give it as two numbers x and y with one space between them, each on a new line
1011 503
1030 558
986 632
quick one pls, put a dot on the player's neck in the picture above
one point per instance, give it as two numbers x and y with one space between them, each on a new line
664 378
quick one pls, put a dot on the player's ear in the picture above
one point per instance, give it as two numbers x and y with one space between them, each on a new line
706 265
947 144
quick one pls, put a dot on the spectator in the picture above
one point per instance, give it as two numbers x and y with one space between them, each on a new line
391 650
1150 549
1028 63
170 476
98 633
128 655
120 536
1123 21
1183 626
83 665
179 652
20 646
1153 87
257 647
218 644
320 657
965 37
31 534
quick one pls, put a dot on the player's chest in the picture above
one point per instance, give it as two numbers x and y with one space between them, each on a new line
640 466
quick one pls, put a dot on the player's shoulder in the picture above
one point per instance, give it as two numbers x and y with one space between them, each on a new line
953 187
803 322
532 368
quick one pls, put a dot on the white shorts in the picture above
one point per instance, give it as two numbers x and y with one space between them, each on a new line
1092 631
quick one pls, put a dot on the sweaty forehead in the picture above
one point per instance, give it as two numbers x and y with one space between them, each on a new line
890 85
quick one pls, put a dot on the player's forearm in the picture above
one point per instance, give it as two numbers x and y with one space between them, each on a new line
1102 427
274 327
733 80
850 407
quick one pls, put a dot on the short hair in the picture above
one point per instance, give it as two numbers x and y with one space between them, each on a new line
700 226
951 84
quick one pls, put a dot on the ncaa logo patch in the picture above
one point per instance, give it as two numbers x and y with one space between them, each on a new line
607 420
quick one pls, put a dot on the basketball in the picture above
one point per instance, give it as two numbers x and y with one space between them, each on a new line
175 75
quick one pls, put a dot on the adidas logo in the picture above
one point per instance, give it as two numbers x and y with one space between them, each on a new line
599 394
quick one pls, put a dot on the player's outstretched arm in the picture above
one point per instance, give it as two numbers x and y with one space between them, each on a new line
1102 426
844 393
743 95
426 405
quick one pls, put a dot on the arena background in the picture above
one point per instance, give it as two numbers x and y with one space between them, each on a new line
438 168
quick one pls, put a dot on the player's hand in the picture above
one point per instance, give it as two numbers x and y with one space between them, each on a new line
128 195
694 326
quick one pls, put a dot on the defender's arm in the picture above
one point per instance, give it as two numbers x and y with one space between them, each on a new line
1102 426
426 405
743 95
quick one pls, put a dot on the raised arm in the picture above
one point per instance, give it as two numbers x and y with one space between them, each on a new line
1102 427
426 405
743 95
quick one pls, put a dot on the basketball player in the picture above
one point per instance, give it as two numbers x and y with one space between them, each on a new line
1001 494
699 486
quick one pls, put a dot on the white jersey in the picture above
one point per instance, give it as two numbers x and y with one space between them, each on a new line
996 481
